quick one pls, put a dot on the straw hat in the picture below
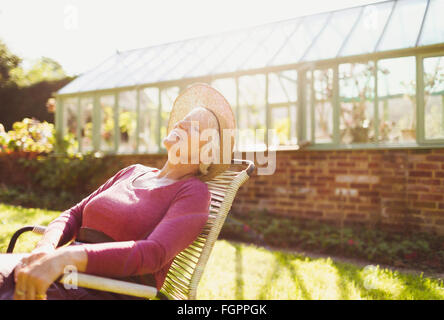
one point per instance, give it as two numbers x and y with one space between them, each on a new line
203 95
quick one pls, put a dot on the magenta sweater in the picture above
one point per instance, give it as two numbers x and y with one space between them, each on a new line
174 215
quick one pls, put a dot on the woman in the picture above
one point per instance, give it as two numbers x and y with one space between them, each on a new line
151 214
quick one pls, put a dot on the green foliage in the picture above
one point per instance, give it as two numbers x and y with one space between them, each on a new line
25 93
55 182
8 61
33 176
44 199
42 69
416 250
64 173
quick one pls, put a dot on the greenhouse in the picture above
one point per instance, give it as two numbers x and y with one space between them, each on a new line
365 77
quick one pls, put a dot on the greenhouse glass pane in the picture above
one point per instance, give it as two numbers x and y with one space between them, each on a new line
300 40
147 59
107 122
434 97
228 89
282 86
127 121
332 37
252 112
86 124
397 99
106 79
70 121
433 29
82 83
149 121
151 71
128 66
168 95
368 30
195 54
227 46
283 120
404 25
177 61
308 107
322 105
122 74
245 50
70 116
268 47
356 96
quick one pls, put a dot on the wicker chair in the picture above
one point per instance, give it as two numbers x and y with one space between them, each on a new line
188 266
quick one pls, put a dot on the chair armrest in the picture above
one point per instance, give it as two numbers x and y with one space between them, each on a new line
111 285
19 232
95 282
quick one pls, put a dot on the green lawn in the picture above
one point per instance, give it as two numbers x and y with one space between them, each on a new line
239 271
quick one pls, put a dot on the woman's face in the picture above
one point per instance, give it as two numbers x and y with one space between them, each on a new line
188 132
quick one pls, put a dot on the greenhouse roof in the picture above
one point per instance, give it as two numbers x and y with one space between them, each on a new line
380 27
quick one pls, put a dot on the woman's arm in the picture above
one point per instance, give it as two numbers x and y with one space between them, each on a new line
179 227
45 264
64 228
176 231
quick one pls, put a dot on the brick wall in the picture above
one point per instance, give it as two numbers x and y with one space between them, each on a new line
400 189
397 189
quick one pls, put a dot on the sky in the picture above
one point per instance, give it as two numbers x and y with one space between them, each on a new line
80 34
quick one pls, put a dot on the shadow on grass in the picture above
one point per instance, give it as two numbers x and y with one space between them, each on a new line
292 268
239 294
348 275
270 278
281 262
412 288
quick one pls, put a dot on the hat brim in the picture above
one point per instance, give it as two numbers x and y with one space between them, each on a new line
203 95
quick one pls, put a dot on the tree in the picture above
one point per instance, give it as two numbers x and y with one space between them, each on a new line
8 62
25 93
43 69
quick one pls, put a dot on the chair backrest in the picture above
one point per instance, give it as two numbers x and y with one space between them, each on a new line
187 268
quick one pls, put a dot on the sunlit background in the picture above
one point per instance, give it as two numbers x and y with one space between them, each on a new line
332 75
353 91
80 34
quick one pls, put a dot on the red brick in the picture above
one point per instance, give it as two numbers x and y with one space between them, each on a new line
424 174
313 213
427 166
423 204
430 197
346 164
435 158
439 174
368 193
337 171
398 186
360 185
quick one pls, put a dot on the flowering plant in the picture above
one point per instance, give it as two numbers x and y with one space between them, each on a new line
28 135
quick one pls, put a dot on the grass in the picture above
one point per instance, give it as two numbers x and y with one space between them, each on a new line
240 271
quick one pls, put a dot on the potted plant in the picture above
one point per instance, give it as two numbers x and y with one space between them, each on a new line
356 125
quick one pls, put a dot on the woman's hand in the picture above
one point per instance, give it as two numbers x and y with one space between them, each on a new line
39 252
34 279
